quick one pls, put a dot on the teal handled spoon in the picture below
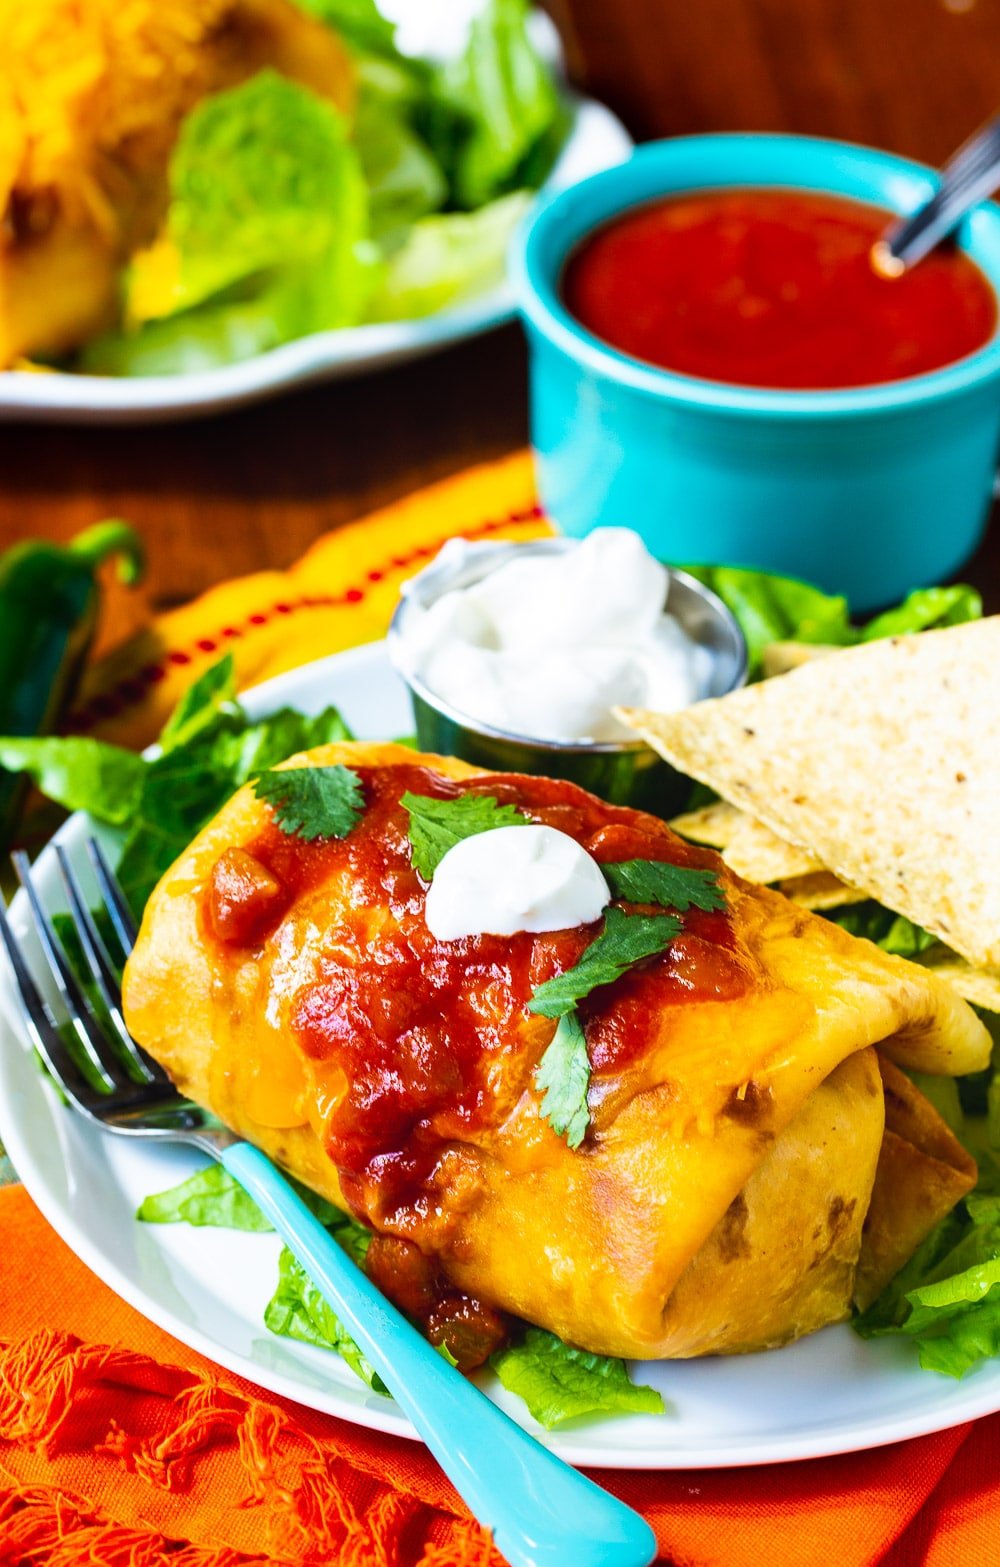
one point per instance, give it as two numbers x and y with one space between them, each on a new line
541 1512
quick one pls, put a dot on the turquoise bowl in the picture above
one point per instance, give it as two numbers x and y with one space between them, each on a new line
869 491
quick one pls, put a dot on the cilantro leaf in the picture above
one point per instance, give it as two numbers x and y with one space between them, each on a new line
559 1382
437 825
674 886
563 1076
625 939
313 802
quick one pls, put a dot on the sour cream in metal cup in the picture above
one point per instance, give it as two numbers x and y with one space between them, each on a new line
523 712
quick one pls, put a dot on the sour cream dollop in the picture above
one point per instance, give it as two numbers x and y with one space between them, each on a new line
546 645
511 879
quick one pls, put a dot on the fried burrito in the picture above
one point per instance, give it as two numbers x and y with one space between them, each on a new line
748 1156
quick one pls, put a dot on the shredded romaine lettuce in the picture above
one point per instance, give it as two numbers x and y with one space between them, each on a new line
213 1198
284 220
770 608
265 240
494 117
560 1383
924 609
209 748
270 309
264 173
947 1298
298 1310
405 181
447 258
556 1381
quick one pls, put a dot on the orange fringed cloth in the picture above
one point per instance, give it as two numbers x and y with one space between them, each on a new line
119 1447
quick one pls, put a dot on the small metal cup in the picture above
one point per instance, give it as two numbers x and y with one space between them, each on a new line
624 772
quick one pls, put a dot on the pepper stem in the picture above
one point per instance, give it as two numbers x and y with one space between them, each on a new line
113 537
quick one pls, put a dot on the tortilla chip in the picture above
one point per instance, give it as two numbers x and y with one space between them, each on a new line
883 762
755 852
723 827
820 890
713 824
779 657
973 984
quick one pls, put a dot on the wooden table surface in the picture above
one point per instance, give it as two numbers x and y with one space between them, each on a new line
248 490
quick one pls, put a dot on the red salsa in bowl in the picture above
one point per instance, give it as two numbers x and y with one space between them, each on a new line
773 288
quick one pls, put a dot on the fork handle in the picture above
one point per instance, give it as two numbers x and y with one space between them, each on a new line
541 1512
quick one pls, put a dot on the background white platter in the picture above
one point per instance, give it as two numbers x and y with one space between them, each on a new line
597 140
830 1393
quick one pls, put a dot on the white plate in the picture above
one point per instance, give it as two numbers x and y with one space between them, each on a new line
830 1393
597 139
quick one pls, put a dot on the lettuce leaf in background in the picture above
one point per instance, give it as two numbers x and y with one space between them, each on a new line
947 1298
560 1383
405 182
359 23
420 129
771 608
776 609
445 258
265 240
285 220
494 118
890 1310
223 331
924 609
262 173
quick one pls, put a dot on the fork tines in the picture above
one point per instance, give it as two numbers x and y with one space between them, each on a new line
91 1054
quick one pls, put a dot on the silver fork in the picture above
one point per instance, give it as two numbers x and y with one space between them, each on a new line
540 1511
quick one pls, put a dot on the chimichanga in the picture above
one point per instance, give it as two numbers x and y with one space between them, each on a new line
735 1163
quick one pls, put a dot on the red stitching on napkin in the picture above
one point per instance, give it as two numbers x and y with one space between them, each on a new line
130 691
